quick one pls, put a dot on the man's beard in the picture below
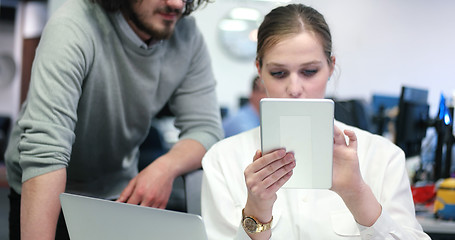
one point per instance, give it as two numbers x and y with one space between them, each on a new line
156 34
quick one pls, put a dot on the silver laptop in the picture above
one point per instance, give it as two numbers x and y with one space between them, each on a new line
92 218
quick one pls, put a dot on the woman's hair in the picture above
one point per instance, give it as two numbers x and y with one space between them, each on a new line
286 21
116 5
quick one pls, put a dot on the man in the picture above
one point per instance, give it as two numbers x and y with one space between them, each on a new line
247 117
102 70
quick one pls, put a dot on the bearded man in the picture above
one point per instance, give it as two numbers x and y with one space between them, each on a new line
103 69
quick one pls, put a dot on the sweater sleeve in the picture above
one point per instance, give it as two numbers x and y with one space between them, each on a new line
50 114
195 102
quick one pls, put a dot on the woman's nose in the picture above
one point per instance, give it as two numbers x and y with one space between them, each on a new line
294 88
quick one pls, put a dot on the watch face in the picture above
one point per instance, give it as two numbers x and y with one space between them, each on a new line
250 224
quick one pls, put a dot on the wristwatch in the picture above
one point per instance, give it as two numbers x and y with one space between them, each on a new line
252 225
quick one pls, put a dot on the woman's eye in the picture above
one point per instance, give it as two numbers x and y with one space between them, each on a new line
278 74
309 73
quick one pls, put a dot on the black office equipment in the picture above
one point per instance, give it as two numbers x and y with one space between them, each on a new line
444 128
5 123
352 112
412 123
412 120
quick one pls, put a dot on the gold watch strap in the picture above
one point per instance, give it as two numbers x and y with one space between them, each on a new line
260 227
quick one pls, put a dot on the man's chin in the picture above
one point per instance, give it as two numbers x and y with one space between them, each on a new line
165 32
163 35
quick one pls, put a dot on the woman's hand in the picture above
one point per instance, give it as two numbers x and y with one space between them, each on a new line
346 170
263 178
348 182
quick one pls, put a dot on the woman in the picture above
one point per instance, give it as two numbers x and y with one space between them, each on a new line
370 196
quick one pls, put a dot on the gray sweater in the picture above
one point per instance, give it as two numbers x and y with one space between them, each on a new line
95 87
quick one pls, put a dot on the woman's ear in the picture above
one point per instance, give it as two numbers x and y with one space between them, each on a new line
332 67
258 67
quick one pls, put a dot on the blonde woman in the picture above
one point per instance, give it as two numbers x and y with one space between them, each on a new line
242 197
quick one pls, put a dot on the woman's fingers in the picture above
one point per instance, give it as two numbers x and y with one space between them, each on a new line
265 159
268 173
338 136
275 171
346 171
257 155
275 182
271 165
352 139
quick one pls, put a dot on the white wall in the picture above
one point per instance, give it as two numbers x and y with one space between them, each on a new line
29 21
379 45
9 93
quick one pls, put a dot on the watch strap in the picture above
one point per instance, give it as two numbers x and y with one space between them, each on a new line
259 226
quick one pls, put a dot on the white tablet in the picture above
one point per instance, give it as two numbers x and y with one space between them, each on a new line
305 127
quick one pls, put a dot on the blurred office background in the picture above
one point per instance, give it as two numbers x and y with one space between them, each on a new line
380 46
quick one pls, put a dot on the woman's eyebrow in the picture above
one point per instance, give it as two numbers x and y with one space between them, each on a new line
315 62
274 64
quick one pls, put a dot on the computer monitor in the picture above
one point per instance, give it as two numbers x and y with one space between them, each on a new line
412 120
382 104
353 112
443 153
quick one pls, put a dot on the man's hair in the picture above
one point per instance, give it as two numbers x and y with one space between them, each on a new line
116 5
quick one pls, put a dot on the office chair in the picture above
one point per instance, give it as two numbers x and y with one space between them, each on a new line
192 184
5 123
186 190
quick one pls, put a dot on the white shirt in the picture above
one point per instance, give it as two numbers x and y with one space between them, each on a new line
309 213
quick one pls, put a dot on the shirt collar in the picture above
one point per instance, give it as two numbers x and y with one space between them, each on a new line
125 27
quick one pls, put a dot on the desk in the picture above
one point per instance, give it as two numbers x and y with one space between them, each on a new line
437 229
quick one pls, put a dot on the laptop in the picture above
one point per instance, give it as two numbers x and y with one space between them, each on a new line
92 218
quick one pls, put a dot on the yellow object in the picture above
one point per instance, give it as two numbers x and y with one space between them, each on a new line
444 205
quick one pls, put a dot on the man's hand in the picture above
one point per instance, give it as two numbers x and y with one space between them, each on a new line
153 185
